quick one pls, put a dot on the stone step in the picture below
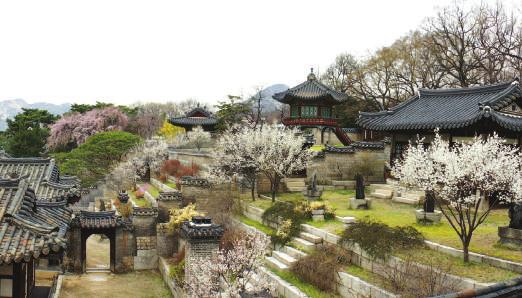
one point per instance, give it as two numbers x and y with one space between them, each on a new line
383 186
275 263
310 237
346 219
295 253
307 245
283 258
406 200
382 194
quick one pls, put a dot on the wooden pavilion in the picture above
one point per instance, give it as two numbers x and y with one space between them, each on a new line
196 117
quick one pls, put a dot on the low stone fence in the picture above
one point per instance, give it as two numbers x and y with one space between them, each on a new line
352 286
160 186
477 258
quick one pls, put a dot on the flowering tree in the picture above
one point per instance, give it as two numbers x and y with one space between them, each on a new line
461 176
280 153
73 130
198 137
148 157
235 155
231 271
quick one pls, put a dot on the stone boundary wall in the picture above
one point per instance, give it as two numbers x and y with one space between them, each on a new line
58 288
160 186
363 260
341 166
478 258
164 269
191 156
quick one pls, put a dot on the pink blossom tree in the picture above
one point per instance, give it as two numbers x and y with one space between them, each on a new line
74 129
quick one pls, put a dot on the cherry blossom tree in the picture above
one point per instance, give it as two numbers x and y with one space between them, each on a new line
148 157
461 177
73 130
231 271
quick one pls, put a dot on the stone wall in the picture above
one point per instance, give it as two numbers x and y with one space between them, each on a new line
264 185
215 201
166 242
124 251
144 222
191 156
343 166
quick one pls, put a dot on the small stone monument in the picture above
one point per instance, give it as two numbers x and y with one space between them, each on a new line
512 234
312 192
360 201
428 215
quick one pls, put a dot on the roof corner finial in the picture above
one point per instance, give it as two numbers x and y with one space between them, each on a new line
516 81
311 76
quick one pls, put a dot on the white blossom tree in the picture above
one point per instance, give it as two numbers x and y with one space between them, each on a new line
148 157
461 176
280 153
272 150
231 271
198 137
235 155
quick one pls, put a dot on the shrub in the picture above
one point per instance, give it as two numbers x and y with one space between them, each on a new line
139 194
320 267
125 210
230 237
379 240
306 208
288 216
177 269
178 216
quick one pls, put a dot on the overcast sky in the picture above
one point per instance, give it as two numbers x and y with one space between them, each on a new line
127 51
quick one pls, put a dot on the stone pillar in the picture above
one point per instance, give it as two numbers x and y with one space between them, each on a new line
201 239
166 201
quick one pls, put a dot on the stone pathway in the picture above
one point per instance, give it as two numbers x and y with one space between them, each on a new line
139 284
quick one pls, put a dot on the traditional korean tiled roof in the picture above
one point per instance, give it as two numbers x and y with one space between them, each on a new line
194 181
170 195
99 220
195 117
355 146
43 176
29 228
506 289
200 228
143 211
449 109
310 91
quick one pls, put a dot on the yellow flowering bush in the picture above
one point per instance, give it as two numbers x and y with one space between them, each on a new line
178 216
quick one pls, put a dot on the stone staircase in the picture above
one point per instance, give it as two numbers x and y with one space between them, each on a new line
295 184
284 258
390 190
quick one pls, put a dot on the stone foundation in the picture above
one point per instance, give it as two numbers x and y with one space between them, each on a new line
512 237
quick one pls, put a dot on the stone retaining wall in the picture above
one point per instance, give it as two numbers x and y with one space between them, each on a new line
342 166
191 156
160 186
351 286
164 269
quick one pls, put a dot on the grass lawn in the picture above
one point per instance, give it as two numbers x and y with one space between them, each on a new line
455 265
170 184
255 224
150 189
306 288
142 202
396 214
368 276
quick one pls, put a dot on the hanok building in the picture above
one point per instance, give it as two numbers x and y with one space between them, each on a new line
459 114
311 107
44 178
29 230
196 117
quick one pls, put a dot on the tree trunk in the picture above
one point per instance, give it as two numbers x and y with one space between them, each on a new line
275 185
253 190
466 253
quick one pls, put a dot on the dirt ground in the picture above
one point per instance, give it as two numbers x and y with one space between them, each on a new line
139 284
98 252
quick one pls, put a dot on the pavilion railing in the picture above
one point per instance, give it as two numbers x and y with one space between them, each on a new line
310 121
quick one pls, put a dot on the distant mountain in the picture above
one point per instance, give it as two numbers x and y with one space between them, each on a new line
10 108
268 104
